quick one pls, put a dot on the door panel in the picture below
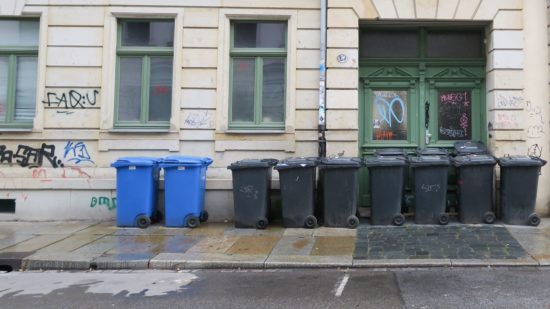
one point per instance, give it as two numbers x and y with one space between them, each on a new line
414 111
454 112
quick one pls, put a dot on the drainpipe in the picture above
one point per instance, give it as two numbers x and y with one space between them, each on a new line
322 81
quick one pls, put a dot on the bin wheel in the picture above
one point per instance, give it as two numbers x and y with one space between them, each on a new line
143 221
261 224
489 217
443 219
157 216
533 220
192 221
310 222
204 216
353 222
398 219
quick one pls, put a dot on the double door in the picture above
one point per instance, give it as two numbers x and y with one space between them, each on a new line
419 106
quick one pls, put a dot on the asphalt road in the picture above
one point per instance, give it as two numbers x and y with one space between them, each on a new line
313 288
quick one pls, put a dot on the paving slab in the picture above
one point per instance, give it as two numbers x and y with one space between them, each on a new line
305 261
43 228
298 232
138 244
100 228
18 227
270 231
402 263
156 229
71 243
536 241
253 245
333 245
294 245
214 244
64 228
334 231
35 243
177 243
103 244
63 260
10 240
209 229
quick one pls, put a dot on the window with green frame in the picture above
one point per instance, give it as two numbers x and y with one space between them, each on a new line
145 51
258 75
18 72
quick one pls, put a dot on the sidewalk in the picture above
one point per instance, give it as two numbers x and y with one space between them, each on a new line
93 245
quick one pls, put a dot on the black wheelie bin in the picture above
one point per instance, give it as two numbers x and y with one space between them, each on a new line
430 188
339 190
519 177
386 189
297 182
475 187
469 147
251 191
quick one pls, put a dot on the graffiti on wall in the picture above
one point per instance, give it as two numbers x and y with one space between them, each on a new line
31 157
535 150
110 203
199 119
77 152
505 100
71 100
536 121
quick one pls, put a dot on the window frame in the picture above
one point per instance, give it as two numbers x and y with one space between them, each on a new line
258 54
12 52
145 53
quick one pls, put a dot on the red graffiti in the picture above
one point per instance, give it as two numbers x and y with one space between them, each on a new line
383 135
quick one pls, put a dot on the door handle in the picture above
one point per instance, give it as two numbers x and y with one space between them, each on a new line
427 118
427 122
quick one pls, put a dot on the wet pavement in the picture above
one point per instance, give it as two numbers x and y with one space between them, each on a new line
93 245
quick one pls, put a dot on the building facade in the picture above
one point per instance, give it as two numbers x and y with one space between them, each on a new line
84 82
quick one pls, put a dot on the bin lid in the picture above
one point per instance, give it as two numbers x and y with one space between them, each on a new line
174 161
135 161
521 161
386 161
432 151
298 162
390 152
474 159
341 162
469 147
252 163
429 160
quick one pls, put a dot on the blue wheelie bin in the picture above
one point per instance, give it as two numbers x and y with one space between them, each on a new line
184 186
137 188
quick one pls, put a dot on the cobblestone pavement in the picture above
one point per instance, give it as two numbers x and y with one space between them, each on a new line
437 242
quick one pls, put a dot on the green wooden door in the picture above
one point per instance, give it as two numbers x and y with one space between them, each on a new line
427 105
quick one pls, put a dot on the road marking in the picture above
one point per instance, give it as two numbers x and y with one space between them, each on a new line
340 289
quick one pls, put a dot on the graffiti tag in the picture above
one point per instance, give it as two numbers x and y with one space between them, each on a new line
103 200
77 152
71 100
27 156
